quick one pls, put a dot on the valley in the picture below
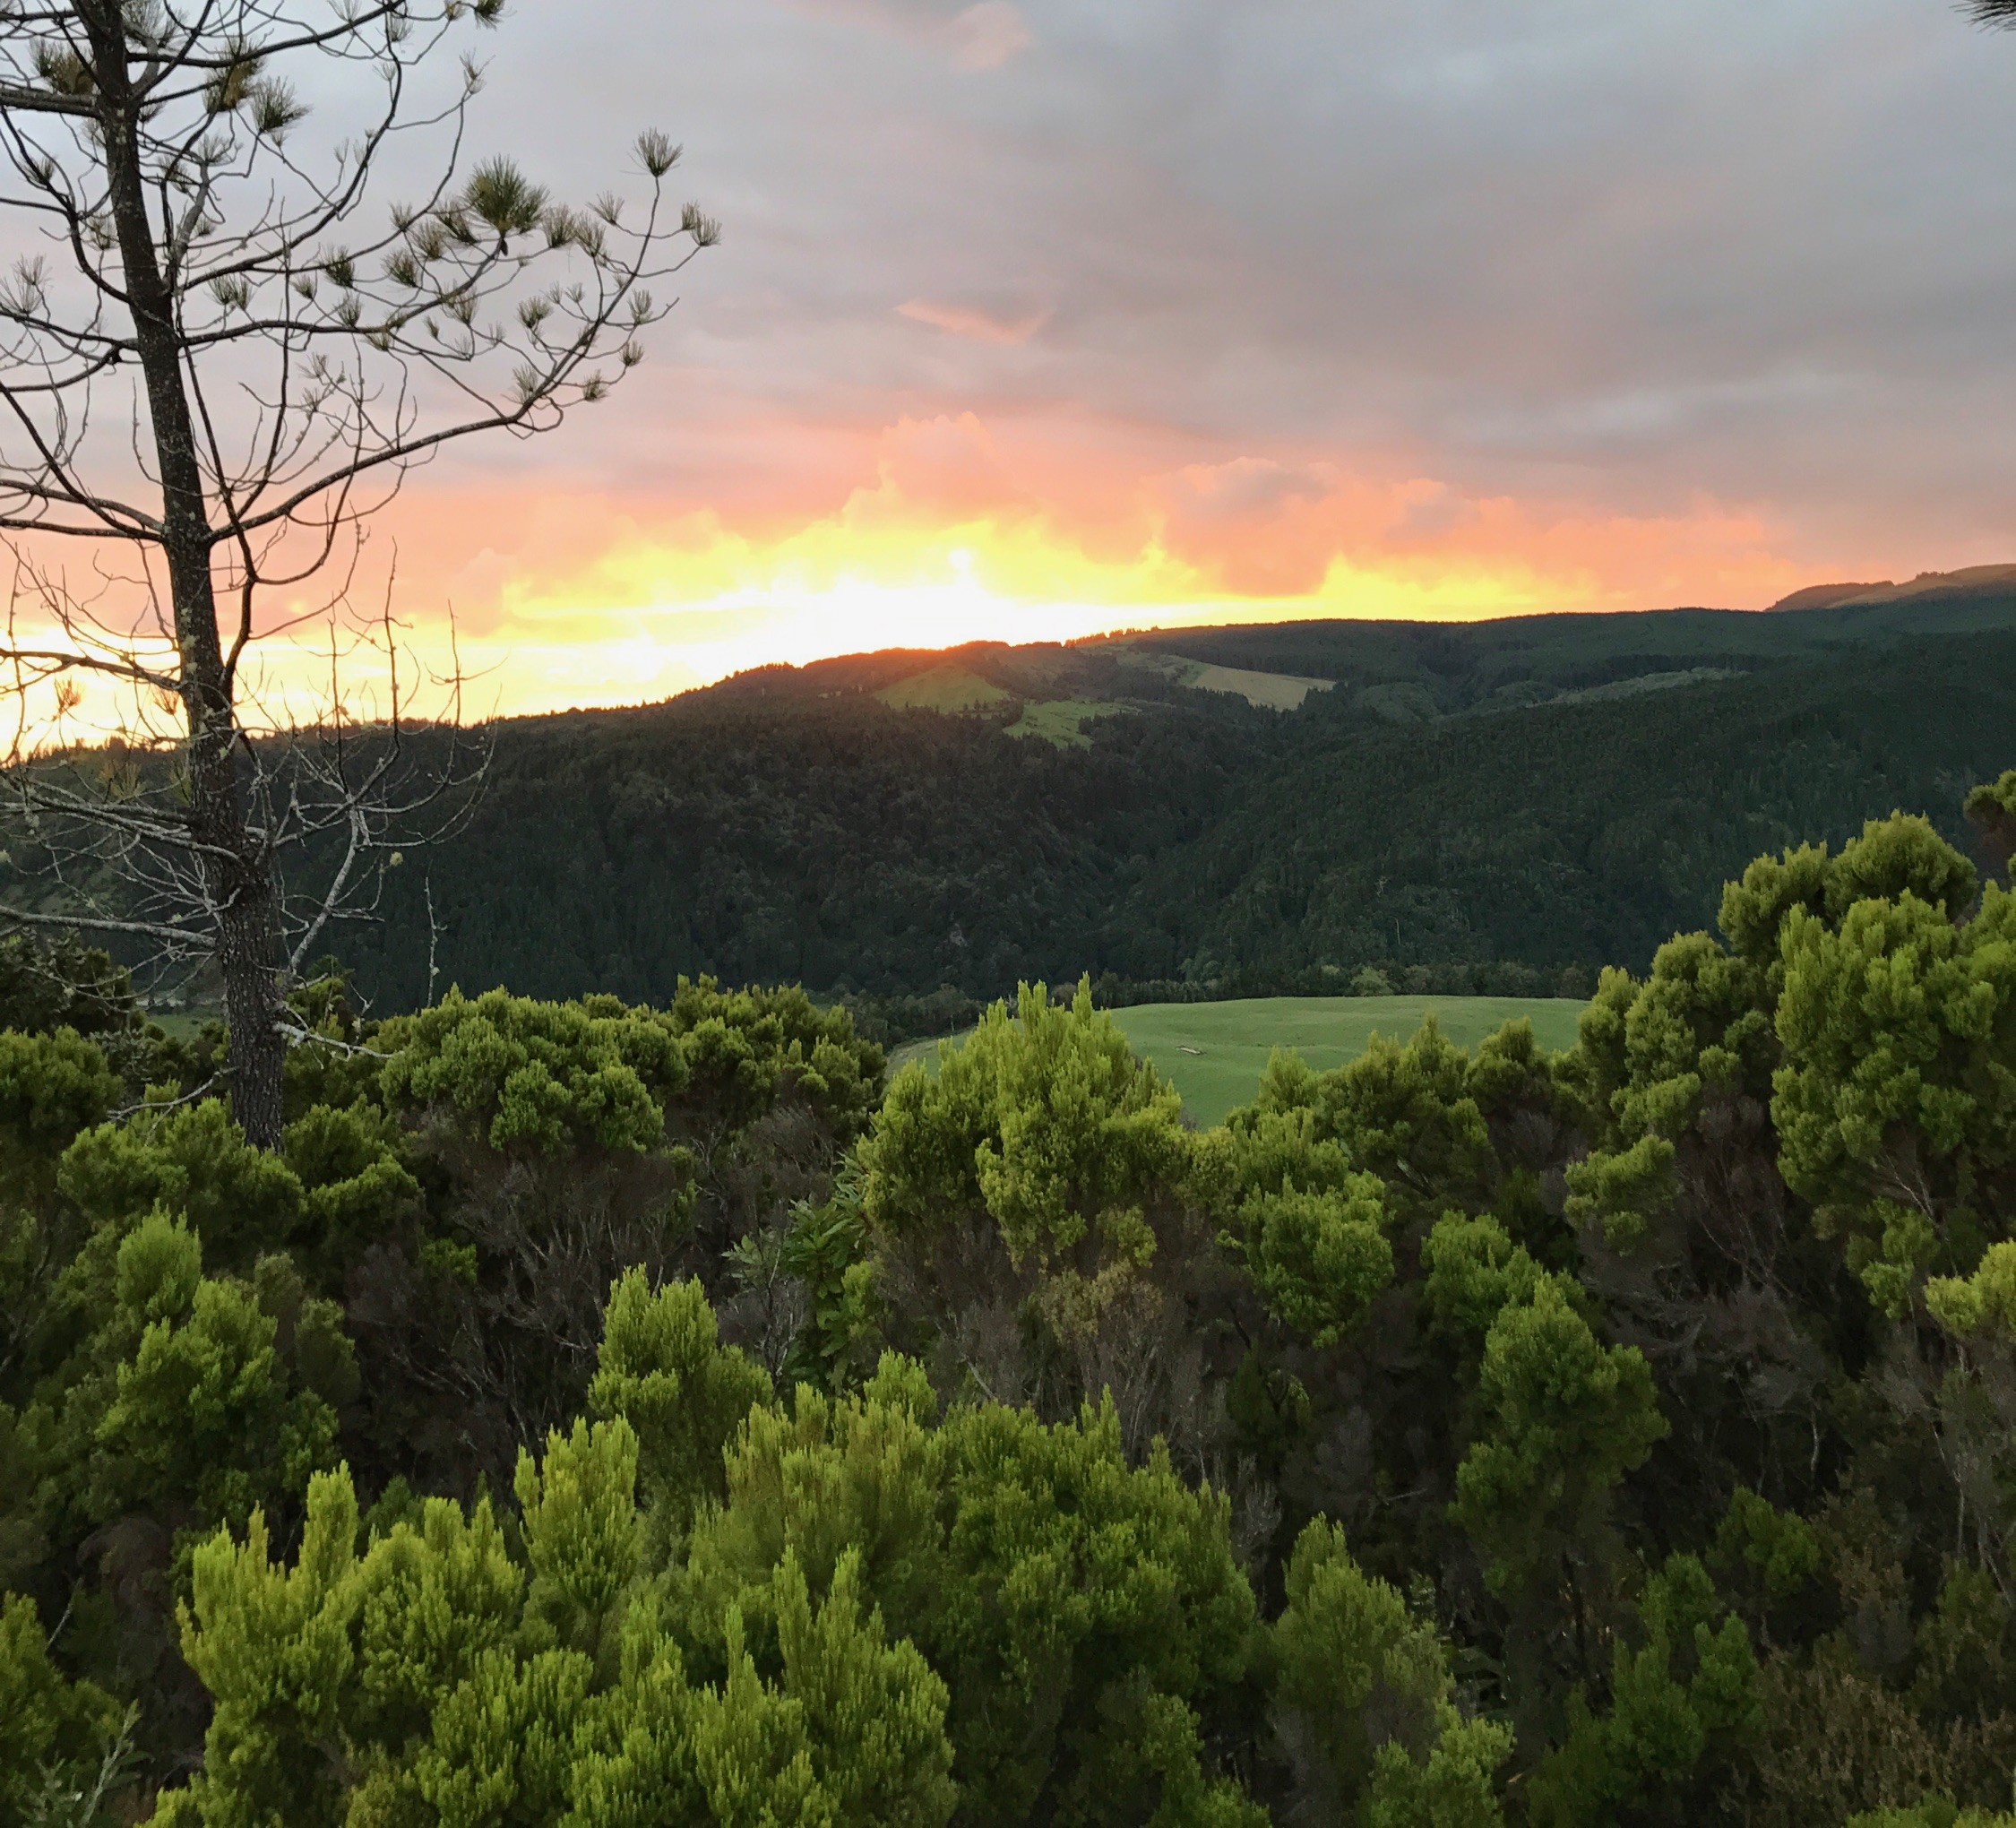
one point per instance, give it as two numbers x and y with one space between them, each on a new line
1491 809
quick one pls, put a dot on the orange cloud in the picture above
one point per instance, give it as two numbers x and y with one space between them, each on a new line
953 528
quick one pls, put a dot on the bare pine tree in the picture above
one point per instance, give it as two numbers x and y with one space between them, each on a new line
221 349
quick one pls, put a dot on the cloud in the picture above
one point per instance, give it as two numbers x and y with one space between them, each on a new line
971 322
1260 529
1550 303
931 472
982 36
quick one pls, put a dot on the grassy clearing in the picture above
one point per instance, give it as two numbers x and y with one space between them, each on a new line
941 688
1269 690
1059 720
1214 1053
1647 682
1234 1039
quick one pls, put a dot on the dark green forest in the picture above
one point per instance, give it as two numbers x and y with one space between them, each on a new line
1471 816
630 1416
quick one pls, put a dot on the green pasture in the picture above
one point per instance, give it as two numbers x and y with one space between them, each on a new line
1214 1053
1060 720
1269 690
946 688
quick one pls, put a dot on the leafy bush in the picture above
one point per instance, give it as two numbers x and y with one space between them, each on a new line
603 1415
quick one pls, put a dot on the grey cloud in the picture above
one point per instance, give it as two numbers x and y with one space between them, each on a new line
975 321
974 34
1640 255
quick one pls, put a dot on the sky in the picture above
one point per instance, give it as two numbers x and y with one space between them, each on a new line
1031 318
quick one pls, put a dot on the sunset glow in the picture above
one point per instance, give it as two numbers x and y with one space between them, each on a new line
584 608
1030 322
580 607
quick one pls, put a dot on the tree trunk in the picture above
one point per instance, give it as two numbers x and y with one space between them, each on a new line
235 864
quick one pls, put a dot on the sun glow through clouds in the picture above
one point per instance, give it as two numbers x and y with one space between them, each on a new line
652 614
1046 530
562 600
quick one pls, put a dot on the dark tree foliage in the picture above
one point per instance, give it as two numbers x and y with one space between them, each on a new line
838 844
1579 832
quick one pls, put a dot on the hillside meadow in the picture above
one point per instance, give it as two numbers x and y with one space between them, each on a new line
1215 1053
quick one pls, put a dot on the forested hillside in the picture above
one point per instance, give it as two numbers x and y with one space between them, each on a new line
621 1417
1588 832
1521 658
1501 802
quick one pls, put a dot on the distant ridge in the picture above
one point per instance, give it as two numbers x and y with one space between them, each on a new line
1397 670
1971 581
1828 596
